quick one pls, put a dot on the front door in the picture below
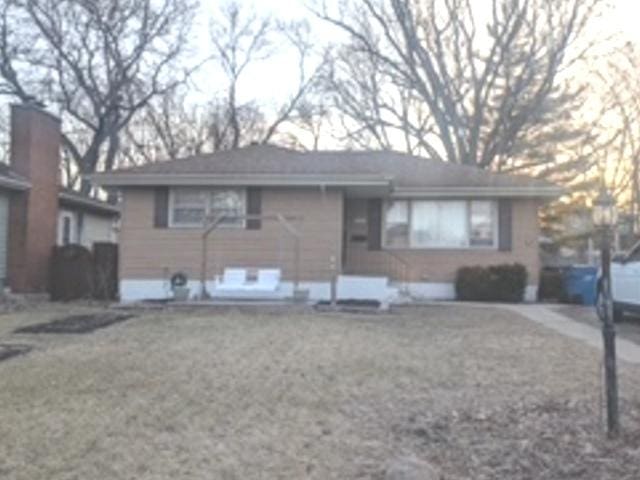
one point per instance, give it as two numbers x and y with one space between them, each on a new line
355 230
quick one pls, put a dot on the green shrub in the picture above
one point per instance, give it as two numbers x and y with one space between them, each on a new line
495 283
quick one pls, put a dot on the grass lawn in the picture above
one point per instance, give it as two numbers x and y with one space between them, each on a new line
222 394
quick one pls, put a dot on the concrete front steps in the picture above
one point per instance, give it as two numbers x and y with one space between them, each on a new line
361 287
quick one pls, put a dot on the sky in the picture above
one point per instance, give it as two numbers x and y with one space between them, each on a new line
273 79
624 18
276 78
272 82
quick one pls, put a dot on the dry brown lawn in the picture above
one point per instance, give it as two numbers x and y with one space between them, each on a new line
222 394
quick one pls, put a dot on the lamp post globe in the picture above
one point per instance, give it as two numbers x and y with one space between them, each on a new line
605 213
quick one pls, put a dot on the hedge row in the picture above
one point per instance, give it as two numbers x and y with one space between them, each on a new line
495 283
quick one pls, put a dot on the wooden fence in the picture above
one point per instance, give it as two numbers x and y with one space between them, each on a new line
80 273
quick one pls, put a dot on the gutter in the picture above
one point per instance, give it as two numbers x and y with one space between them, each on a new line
323 181
14 183
89 203
114 179
551 191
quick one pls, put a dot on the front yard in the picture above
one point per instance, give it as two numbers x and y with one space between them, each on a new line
476 392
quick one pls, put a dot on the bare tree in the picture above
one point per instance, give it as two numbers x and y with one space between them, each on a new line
172 127
447 82
608 154
166 129
375 112
311 118
616 147
240 40
98 62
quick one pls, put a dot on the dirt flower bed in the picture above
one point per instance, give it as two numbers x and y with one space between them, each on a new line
82 323
477 393
8 351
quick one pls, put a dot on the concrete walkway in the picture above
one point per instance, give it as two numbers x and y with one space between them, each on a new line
626 350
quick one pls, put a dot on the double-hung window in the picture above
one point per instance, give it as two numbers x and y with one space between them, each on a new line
191 206
483 224
440 224
397 224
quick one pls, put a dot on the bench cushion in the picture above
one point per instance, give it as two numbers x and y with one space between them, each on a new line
234 276
269 278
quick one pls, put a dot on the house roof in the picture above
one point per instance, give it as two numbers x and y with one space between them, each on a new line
271 165
76 200
11 180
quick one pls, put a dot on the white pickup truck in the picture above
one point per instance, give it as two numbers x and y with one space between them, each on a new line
625 283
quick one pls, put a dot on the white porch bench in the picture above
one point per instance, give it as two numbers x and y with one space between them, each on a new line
234 283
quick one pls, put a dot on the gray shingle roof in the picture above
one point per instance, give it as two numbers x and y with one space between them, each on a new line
77 200
11 180
404 171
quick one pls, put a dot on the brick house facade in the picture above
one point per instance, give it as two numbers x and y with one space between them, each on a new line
364 217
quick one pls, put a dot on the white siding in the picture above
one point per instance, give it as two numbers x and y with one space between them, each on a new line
73 231
92 228
97 229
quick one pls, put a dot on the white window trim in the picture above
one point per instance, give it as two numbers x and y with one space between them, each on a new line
172 224
496 227
73 234
243 194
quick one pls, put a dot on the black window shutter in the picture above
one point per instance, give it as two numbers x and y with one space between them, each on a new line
374 223
161 207
505 225
254 207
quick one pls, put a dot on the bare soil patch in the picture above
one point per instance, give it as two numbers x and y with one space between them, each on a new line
349 306
76 324
8 351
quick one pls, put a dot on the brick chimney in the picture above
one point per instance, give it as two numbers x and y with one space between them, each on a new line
33 215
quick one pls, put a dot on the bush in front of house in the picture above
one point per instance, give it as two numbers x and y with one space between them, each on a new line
495 283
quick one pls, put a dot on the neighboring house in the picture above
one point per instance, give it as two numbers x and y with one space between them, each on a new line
35 213
371 217
12 186
85 221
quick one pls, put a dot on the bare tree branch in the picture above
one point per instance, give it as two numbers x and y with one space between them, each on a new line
479 91
97 63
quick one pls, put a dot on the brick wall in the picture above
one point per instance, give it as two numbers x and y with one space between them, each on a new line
154 253
35 154
440 265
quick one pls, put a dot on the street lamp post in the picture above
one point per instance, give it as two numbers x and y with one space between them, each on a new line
604 218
